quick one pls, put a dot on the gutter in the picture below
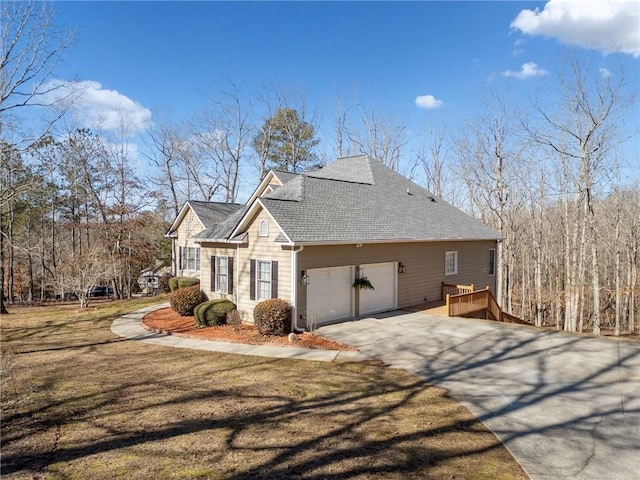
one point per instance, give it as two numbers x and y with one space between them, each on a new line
294 289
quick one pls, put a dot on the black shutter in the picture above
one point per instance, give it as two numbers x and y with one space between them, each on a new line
179 258
252 281
230 274
274 279
213 274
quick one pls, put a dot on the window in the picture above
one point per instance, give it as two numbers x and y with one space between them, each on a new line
451 263
222 274
264 279
264 229
190 258
492 261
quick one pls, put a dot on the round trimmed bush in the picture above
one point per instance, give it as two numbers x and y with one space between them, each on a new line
181 282
273 317
184 282
184 300
213 313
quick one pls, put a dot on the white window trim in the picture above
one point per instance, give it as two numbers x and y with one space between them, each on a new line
258 262
217 269
263 228
455 263
494 265
186 250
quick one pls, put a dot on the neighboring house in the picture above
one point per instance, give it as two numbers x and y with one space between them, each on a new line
305 238
149 279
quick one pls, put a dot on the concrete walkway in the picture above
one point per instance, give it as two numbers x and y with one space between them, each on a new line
566 406
130 326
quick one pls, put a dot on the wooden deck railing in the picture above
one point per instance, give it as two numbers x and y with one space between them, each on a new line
479 304
450 289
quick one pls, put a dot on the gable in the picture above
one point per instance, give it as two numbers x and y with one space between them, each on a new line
186 214
273 179
202 215
250 227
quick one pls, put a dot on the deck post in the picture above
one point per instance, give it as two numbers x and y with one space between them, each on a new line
447 304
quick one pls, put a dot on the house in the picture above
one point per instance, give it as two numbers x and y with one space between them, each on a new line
149 279
306 238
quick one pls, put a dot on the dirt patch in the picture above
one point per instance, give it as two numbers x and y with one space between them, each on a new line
167 321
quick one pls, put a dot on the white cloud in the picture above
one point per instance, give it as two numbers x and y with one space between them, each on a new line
428 101
604 72
99 108
528 70
605 25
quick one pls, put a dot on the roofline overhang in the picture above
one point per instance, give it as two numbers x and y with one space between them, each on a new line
262 185
408 240
210 240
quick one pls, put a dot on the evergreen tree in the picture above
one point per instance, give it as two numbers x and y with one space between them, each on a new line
287 142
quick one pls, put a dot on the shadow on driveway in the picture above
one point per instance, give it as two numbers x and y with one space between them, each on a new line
565 406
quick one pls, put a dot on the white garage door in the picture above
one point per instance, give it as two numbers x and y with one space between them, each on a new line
329 294
383 297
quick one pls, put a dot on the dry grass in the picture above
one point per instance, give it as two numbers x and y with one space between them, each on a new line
79 402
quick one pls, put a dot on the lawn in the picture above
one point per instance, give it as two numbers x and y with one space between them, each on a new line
80 402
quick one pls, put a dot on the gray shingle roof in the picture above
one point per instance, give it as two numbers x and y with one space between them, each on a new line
283 176
357 199
222 230
212 213
347 169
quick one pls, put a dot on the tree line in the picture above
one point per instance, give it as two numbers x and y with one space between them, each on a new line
551 176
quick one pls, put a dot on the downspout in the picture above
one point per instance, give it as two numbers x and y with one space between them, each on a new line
237 274
294 289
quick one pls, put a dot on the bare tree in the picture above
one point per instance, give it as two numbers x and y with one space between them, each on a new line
434 161
488 158
164 153
80 272
579 126
380 136
222 135
32 46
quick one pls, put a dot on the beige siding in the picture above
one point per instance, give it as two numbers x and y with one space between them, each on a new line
262 248
189 227
424 263
209 250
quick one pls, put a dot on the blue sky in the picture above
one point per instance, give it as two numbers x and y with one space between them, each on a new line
149 58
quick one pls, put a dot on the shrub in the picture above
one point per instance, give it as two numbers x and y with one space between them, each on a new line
234 317
196 311
273 317
184 282
163 283
181 282
184 300
213 312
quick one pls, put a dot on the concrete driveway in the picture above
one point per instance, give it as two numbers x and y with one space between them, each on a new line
567 407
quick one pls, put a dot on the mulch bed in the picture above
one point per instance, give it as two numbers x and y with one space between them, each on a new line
167 321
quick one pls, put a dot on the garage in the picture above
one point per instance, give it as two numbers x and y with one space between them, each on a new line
384 295
329 294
